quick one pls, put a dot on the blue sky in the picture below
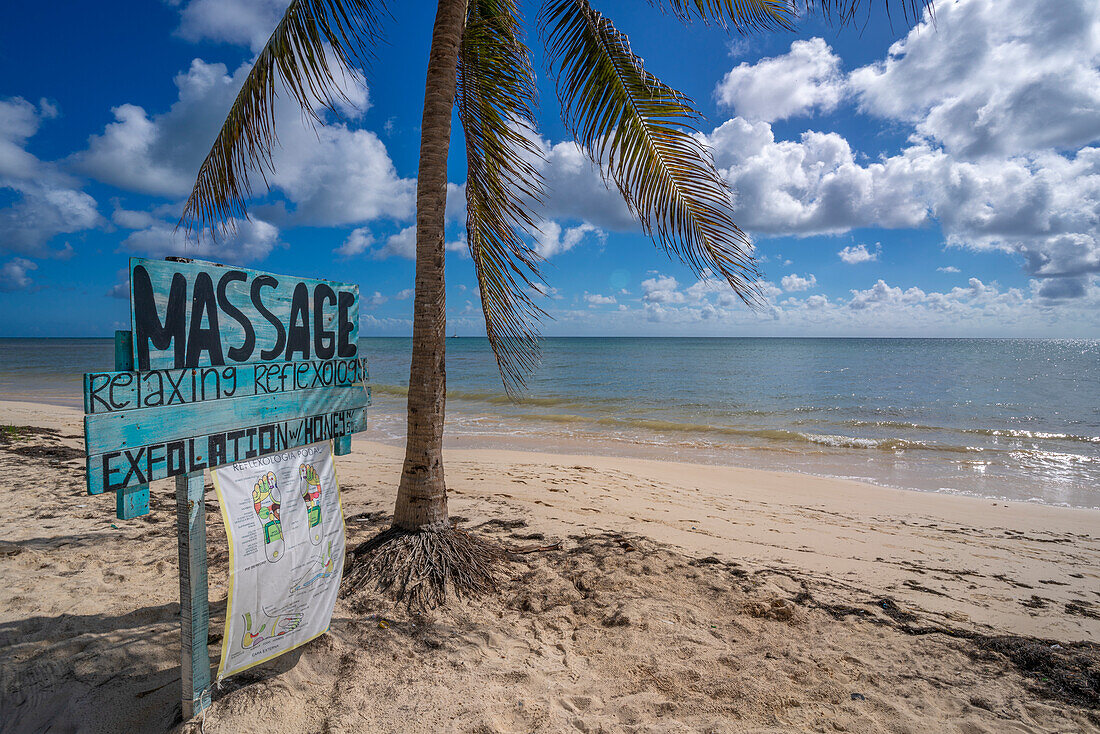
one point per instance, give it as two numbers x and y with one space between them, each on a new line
942 180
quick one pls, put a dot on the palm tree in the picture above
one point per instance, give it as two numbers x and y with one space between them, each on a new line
635 127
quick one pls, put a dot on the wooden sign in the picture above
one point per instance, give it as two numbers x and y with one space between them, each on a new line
231 365
194 314
108 392
151 441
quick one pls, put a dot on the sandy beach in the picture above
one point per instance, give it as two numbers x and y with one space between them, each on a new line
644 596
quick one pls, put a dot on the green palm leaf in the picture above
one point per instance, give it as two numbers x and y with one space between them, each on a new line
748 15
312 35
633 125
495 97
740 15
844 11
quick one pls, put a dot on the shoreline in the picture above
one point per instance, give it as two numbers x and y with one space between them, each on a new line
1006 426
922 469
1015 566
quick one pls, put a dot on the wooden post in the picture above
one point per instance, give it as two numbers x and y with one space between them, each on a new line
130 502
194 606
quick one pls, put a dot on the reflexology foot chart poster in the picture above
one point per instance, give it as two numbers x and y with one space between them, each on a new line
286 552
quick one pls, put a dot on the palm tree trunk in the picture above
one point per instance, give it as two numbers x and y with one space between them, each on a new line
422 495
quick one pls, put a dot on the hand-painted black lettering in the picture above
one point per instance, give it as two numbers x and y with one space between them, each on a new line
94 390
204 338
216 385
236 436
282 376
216 451
175 385
345 347
177 459
152 459
158 394
244 351
194 460
324 340
147 324
108 470
298 337
266 438
120 380
259 385
135 467
229 381
280 330
252 443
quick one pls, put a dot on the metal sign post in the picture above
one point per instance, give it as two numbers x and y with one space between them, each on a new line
222 365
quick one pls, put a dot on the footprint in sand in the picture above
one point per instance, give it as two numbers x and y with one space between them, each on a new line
266 499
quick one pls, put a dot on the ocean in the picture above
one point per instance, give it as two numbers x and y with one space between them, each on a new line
1014 419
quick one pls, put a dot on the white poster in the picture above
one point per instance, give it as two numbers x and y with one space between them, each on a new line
286 552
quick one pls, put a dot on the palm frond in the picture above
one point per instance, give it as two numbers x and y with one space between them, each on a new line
495 96
633 125
770 15
738 15
844 12
315 41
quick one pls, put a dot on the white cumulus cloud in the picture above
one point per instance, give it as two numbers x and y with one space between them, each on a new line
14 274
994 77
252 241
805 79
595 299
552 239
793 283
47 201
854 255
661 289
245 22
333 175
358 241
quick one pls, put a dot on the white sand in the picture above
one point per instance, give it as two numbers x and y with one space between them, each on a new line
620 630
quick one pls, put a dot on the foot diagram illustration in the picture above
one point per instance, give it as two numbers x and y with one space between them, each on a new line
311 493
282 596
321 567
266 499
267 625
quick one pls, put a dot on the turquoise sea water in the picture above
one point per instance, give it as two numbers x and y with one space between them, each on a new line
1010 418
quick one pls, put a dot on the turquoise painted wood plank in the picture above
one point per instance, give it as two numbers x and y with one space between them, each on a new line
130 502
138 465
194 313
341 446
194 603
124 351
108 392
116 431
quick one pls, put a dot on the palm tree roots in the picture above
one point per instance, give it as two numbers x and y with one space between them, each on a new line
420 567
